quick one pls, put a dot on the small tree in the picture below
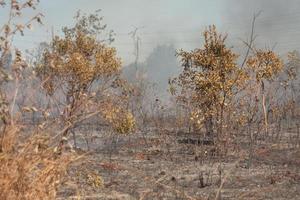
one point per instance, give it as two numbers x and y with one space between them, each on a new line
208 81
266 65
292 72
80 67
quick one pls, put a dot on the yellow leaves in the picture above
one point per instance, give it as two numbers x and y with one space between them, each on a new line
19 62
86 71
211 70
85 43
95 180
209 80
79 67
125 124
197 119
121 120
106 62
265 64
293 65
77 59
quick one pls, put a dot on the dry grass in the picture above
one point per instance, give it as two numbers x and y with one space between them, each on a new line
30 169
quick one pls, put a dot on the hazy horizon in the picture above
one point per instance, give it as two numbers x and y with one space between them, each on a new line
178 23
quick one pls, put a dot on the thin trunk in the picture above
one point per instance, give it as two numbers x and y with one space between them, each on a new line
222 115
264 107
209 127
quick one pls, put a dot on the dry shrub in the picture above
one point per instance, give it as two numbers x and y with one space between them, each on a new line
29 166
30 169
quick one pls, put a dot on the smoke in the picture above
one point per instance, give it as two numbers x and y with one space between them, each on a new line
161 65
158 67
276 27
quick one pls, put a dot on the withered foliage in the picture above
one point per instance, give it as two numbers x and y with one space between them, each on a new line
266 65
12 26
79 67
86 72
208 81
79 74
30 169
213 86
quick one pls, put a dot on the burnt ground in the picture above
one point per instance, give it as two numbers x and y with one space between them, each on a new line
157 166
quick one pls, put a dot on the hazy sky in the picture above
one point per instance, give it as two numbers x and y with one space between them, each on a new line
178 22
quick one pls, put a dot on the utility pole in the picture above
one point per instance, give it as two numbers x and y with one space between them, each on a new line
137 41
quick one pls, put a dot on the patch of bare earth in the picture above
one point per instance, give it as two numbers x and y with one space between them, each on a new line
155 167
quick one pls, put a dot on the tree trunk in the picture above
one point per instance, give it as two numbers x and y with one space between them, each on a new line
209 127
264 107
